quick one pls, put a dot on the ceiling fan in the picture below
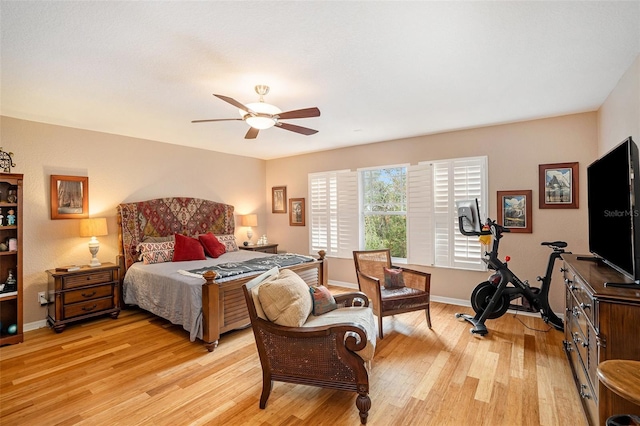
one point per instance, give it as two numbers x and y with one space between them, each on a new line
261 115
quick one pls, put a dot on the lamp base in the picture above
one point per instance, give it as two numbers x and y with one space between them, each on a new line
94 262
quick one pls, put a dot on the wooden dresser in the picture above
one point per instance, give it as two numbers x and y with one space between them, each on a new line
82 294
601 323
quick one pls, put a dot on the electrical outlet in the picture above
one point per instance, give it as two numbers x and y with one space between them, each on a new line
42 298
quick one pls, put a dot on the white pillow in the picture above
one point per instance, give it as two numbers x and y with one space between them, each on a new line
229 242
286 300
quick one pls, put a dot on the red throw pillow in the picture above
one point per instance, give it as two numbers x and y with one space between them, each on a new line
187 248
212 247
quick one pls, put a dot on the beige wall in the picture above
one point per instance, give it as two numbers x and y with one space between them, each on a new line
619 115
514 152
120 169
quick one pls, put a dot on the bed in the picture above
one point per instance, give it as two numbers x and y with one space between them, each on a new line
205 302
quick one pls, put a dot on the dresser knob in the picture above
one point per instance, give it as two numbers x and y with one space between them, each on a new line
583 392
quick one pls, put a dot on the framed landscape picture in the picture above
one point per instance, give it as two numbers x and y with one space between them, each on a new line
514 210
69 197
558 185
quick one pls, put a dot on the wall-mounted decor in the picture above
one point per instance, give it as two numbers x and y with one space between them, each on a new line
296 211
6 162
279 199
558 185
514 210
69 197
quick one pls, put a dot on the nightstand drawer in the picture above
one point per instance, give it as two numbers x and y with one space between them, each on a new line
88 293
88 307
83 280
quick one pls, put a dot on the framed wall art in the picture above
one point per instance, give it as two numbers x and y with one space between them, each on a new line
69 197
279 199
514 210
296 212
558 185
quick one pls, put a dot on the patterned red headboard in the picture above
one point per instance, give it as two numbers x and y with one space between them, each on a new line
166 216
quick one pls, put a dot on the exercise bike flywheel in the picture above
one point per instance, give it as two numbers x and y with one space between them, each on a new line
481 296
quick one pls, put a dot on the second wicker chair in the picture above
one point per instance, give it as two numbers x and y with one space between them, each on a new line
413 296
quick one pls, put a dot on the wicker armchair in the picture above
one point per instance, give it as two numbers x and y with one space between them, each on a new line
414 296
316 354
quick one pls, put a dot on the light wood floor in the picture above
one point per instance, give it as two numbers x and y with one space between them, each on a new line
140 370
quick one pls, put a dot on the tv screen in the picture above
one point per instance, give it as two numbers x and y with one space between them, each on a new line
613 216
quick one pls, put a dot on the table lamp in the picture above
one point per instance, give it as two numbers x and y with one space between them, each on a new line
249 220
95 227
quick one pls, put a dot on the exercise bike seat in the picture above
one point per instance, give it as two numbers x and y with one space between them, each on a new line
559 244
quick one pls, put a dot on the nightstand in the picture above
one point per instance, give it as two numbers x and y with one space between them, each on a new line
84 293
265 248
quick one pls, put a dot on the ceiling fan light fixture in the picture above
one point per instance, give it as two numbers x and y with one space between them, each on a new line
264 115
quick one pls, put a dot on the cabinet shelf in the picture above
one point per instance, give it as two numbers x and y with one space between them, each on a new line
11 262
10 295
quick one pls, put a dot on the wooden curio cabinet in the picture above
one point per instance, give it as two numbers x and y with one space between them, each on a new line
11 258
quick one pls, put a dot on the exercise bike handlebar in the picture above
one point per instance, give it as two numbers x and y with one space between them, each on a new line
494 228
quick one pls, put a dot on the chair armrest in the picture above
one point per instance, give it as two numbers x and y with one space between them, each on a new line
416 279
356 298
353 335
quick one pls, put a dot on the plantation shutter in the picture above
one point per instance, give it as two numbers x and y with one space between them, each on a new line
455 180
333 213
420 247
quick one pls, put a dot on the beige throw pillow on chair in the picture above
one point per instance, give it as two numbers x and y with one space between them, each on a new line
286 300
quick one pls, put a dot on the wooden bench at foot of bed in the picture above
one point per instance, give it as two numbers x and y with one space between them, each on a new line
223 305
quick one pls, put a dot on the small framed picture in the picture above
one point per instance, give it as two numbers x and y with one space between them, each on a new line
514 210
279 199
558 185
296 212
69 197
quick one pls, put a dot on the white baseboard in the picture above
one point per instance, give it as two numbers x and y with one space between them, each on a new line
447 300
35 325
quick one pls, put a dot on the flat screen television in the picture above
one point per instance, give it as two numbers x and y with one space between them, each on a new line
614 218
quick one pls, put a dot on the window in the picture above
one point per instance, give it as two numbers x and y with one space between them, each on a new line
409 209
384 209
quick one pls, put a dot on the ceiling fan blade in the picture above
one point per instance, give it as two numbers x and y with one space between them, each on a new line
251 133
234 103
216 119
300 113
297 129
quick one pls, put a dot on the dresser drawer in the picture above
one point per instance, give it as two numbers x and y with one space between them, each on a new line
584 299
589 400
89 293
88 307
580 341
83 280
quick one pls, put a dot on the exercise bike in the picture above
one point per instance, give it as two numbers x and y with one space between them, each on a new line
492 298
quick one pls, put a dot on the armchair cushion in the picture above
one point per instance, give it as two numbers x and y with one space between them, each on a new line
323 300
393 278
285 300
402 298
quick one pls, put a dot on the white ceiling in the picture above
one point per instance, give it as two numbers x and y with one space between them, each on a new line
376 70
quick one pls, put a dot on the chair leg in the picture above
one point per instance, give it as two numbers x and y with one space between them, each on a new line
363 402
267 384
380 326
428 310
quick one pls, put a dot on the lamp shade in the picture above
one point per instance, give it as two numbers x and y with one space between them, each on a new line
249 220
94 227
